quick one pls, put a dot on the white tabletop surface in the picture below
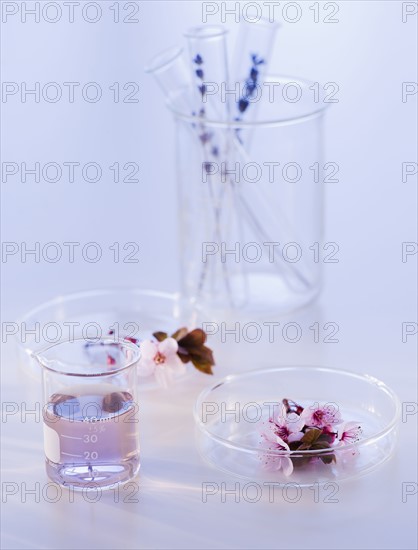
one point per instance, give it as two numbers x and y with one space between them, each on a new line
370 293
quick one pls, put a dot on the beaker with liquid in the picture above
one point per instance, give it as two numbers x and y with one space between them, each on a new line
90 413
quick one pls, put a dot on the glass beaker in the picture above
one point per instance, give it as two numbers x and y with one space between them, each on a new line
260 255
90 413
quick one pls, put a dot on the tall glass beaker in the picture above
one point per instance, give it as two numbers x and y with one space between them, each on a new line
251 200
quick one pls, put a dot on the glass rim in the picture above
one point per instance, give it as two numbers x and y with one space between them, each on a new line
43 362
72 296
162 59
29 318
233 124
262 22
308 453
206 32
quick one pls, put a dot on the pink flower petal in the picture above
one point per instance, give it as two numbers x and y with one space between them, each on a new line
163 376
287 466
281 415
268 432
146 367
350 432
168 347
282 443
148 349
176 365
294 422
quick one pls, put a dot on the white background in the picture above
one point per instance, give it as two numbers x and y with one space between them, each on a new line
369 293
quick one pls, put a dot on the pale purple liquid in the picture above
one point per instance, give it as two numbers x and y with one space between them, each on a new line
91 436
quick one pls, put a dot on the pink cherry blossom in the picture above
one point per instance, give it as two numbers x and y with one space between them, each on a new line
350 432
287 426
326 416
281 430
161 360
275 462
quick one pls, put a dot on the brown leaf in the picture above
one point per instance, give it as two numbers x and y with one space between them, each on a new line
193 339
203 354
179 334
203 366
113 402
184 355
191 348
311 435
294 445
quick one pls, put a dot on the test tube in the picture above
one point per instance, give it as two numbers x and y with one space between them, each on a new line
208 64
251 59
172 75
252 55
181 83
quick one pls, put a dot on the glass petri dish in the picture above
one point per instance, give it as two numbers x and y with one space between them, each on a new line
128 312
231 416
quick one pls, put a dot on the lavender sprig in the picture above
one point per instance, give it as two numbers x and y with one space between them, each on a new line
206 139
250 87
250 84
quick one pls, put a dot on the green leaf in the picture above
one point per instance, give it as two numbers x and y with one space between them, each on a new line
160 336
